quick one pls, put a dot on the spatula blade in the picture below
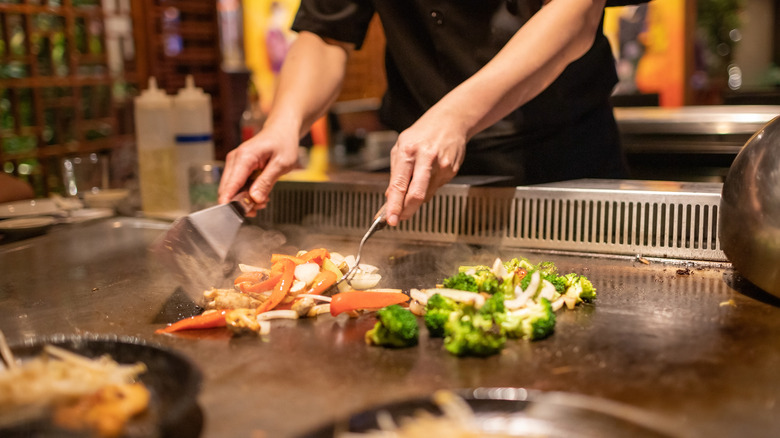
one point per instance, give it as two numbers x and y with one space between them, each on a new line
196 246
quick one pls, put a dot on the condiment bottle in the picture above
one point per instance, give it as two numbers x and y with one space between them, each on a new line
156 151
193 132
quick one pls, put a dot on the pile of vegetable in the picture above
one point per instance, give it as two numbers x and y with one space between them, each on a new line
480 307
296 286
475 311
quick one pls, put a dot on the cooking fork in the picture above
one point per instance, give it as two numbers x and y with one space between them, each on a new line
380 222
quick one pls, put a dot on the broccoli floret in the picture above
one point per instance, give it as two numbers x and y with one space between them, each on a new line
588 290
579 287
486 281
474 279
437 311
493 305
537 324
470 333
461 281
397 327
547 269
558 282
512 265
525 281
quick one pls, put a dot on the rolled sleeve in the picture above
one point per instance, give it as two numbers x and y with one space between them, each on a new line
342 20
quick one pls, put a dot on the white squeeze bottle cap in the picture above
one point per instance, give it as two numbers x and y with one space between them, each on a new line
153 118
153 97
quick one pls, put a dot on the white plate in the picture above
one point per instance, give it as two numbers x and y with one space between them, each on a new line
88 214
32 207
108 198
26 225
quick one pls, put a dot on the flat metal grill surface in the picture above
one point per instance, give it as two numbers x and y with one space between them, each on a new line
666 220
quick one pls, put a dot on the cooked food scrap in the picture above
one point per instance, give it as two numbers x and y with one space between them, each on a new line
106 411
97 394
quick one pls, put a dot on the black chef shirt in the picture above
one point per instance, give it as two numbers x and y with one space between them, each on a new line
434 45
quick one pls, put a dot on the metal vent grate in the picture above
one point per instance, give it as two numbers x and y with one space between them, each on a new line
618 217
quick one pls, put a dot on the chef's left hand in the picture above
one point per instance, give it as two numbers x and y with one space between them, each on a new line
426 156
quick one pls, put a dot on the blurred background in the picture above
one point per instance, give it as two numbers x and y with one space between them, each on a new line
70 69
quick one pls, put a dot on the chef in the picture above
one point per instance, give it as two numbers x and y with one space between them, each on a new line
483 87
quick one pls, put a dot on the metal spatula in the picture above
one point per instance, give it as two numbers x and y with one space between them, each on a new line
196 246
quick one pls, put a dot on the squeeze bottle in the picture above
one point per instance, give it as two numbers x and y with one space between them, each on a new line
193 133
156 151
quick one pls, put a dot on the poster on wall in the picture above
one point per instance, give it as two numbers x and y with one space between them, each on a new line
648 42
267 37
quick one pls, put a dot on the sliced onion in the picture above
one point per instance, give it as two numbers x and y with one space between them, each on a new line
548 290
460 295
277 314
249 268
417 308
499 270
363 281
316 297
419 296
336 258
306 272
349 260
521 298
368 269
557 304
318 310
265 327
297 287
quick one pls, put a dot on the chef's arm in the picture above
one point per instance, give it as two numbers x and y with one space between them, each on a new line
560 33
309 83
428 154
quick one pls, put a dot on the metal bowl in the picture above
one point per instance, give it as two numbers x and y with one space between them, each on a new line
749 228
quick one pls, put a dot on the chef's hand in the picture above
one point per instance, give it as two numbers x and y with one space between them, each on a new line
269 155
426 156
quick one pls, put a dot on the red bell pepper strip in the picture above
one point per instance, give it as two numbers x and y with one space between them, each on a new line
202 321
282 287
315 256
364 300
250 277
322 282
261 286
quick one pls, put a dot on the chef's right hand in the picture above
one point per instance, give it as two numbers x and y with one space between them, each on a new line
426 156
269 155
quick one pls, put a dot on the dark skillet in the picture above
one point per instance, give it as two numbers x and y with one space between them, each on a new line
171 379
523 413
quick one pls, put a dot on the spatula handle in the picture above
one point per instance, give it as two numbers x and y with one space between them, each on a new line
242 202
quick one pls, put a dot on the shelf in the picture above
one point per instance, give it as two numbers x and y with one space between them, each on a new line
58 81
